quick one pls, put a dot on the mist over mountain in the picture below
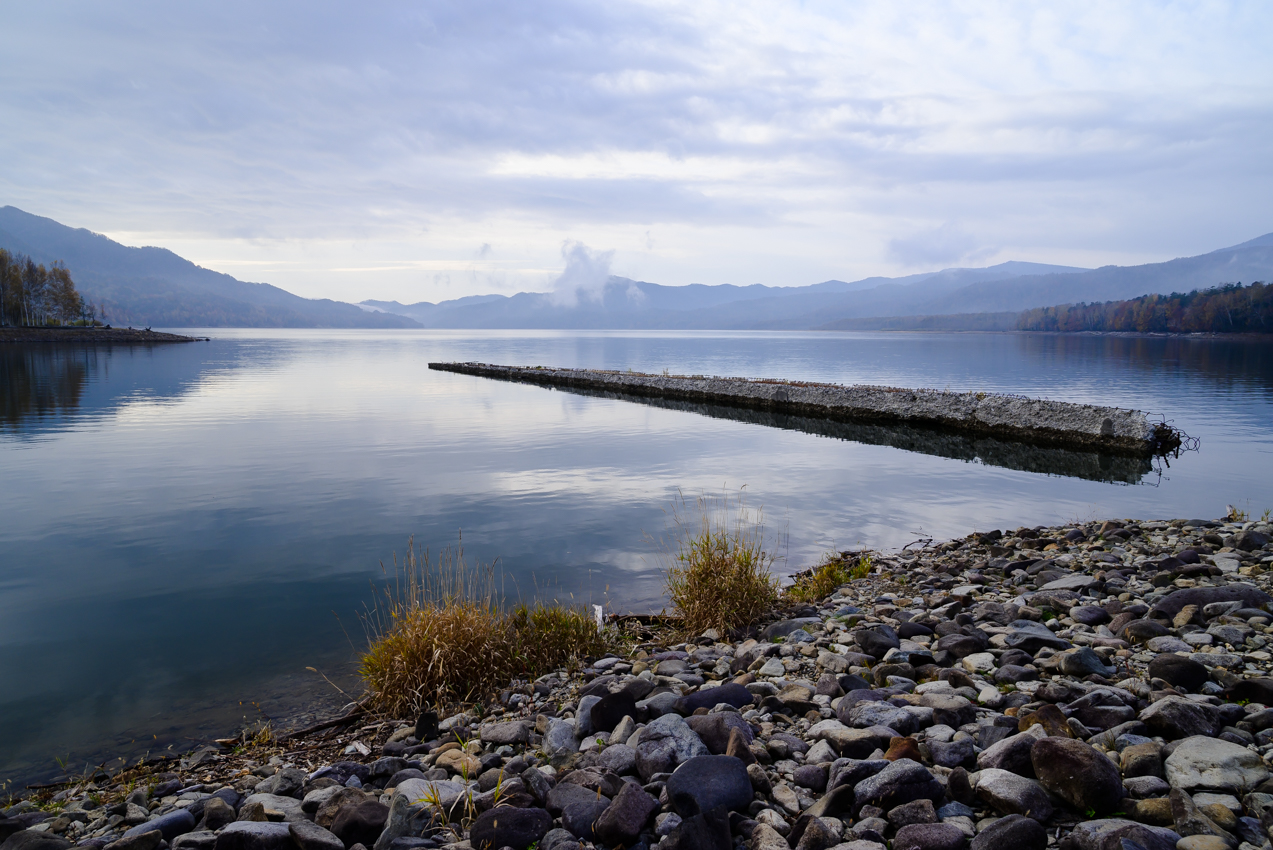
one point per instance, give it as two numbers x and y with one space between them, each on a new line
155 287
619 303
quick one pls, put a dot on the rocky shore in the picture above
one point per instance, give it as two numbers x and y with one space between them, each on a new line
1035 421
94 335
1101 686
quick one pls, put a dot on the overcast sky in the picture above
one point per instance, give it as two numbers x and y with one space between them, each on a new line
428 150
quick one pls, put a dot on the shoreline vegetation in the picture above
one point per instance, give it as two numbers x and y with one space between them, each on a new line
1034 421
1083 686
91 334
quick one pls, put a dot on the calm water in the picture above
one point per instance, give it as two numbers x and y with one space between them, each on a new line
184 529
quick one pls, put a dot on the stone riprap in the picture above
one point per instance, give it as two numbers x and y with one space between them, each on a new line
1036 421
1088 687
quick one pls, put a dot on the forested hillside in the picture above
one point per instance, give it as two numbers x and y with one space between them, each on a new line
1232 308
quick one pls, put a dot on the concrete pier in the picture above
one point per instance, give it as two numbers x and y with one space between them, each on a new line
1037 421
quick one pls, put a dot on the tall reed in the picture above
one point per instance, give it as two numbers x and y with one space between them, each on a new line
442 633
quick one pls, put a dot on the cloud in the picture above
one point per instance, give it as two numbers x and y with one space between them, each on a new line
939 246
584 277
762 141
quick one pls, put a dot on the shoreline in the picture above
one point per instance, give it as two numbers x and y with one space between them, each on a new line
92 335
930 699
1034 421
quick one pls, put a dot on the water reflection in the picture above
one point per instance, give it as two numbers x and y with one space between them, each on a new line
940 442
42 381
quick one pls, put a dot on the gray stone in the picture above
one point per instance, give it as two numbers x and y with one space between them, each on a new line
286 783
1108 834
361 824
512 732
1011 754
901 782
1208 763
581 816
1249 595
1083 662
171 825
255 835
1010 794
311 836
409 811
1030 636
714 729
626 816
202 840
952 753
618 758
665 743
560 738
148 840
583 715
785 627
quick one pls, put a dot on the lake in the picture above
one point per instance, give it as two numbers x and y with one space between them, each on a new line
185 529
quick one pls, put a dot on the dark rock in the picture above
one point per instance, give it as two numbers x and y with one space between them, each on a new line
715 729
930 836
785 627
171 825
1013 832
563 794
289 781
1077 773
201 840
916 811
811 776
1030 637
704 783
255 835
1190 821
25 839
1090 615
956 753
307 835
148 840
626 816
1251 690
1083 662
360 824
402 776
1179 671
960 645
507 827
877 641
426 726
707 831
1109 834
1010 794
813 835
581 816
1176 717
611 709
901 782
1248 595
1139 631
731 693
1250 540
835 803
1011 754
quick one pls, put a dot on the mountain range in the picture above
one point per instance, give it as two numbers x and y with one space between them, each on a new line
155 287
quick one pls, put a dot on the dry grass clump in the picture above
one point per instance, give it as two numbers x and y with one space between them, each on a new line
442 634
719 572
824 579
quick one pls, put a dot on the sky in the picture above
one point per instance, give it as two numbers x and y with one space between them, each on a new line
430 150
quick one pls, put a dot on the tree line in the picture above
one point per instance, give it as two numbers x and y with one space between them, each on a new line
1231 308
31 294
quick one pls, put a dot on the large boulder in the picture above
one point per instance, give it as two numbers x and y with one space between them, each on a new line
1109 833
626 816
1012 832
171 825
1177 717
505 826
255 835
1078 774
1204 763
360 824
1249 595
1179 671
704 783
1010 794
730 694
666 742
901 782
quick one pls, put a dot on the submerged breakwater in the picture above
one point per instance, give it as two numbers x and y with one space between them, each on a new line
1037 421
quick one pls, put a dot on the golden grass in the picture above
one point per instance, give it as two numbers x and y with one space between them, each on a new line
442 634
719 572
825 578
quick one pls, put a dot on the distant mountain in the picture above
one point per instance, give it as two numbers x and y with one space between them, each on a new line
155 287
624 303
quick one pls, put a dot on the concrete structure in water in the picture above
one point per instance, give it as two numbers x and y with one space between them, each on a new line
1037 421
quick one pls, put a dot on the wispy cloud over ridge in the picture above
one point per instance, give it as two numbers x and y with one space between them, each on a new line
712 142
